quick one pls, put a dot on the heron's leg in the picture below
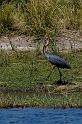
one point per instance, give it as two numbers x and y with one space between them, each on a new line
50 73
60 74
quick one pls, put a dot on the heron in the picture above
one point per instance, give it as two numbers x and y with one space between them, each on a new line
55 60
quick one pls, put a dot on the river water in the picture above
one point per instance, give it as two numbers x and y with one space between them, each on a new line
40 116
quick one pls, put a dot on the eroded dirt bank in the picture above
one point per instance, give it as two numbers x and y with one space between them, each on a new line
67 41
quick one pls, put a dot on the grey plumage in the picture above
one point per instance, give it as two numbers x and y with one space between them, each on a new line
55 60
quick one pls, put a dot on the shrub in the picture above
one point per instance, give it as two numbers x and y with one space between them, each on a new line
42 16
6 19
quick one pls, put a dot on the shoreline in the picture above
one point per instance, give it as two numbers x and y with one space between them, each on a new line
27 106
47 99
19 88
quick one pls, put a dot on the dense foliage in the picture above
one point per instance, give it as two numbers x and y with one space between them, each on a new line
39 17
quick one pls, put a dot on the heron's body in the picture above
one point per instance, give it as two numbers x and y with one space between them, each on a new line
56 60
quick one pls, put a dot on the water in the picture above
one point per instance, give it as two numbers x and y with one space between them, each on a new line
40 116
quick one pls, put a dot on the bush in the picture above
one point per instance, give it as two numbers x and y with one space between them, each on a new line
40 17
6 19
72 14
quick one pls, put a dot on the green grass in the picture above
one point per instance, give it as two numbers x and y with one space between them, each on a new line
28 68
21 76
25 71
32 100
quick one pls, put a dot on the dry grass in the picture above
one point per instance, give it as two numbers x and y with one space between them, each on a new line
40 18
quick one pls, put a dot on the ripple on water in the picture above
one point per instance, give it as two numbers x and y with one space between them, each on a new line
40 116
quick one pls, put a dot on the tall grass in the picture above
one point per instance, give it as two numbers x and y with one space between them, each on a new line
72 14
40 18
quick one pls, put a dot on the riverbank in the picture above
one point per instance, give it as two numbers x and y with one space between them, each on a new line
23 69
66 96
23 81
66 41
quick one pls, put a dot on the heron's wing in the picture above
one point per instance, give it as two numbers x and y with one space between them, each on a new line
58 61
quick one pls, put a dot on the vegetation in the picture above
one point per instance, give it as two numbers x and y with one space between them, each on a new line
23 74
25 100
27 68
39 18
23 81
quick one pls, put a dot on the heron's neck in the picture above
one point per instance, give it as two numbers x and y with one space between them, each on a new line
44 50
